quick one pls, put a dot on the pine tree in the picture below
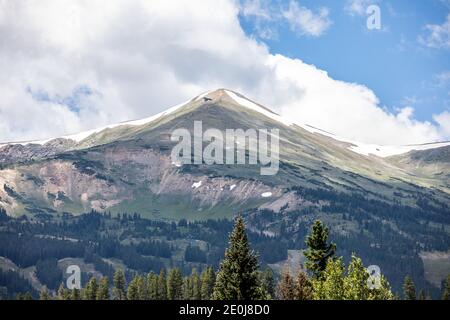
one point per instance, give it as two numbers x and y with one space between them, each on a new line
44 294
267 284
196 285
63 293
119 285
175 285
409 289
188 291
237 278
24 296
162 285
303 287
318 250
152 285
446 289
90 292
103 289
208 282
133 289
75 294
142 288
355 283
330 285
286 285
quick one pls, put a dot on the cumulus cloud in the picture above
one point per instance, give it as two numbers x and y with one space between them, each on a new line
444 122
437 35
357 7
306 22
68 66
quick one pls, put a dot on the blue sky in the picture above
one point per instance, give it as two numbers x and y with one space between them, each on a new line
392 61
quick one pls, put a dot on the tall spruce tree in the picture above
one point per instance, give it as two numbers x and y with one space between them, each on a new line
187 289
90 292
142 288
133 289
152 285
237 278
196 285
175 285
318 249
409 289
208 282
103 289
119 282
162 285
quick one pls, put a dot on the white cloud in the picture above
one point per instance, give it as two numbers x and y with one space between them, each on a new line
139 57
256 8
357 7
306 22
437 35
444 122
264 16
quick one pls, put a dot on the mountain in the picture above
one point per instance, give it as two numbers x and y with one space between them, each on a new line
127 167
390 204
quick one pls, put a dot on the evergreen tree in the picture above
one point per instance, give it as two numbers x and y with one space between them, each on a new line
286 285
133 289
103 289
303 287
422 295
119 285
162 285
24 296
446 289
75 294
409 289
355 283
382 293
90 292
237 278
330 285
318 250
142 288
63 293
188 292
267 284
208 282
44 294
152 285
196 285
175 285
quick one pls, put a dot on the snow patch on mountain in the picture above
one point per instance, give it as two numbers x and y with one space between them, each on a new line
375 149
197 185
253 106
